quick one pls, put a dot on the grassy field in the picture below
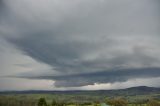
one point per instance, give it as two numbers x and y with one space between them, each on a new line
140 96
69 99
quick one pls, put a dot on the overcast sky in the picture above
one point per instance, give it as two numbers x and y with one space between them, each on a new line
79 44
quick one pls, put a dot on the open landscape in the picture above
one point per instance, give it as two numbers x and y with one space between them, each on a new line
79 52
135 96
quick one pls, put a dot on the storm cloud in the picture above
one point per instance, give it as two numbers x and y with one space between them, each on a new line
84 42
110 76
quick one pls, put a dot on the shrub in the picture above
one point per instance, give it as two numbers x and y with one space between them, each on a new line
42 102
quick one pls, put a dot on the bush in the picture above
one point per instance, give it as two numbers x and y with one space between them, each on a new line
117 102
42 102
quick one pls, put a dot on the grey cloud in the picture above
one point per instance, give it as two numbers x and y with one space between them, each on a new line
110 76
69 56
83 38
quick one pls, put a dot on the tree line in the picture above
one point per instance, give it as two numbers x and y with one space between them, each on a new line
110 102
43 102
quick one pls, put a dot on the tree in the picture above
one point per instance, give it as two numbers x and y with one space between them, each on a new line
117 102
42 102
109 101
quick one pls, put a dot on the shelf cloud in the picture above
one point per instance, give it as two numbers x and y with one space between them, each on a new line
83 42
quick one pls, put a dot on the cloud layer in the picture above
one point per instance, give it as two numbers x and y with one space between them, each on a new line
84 41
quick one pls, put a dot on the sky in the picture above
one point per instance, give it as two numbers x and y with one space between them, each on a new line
79 44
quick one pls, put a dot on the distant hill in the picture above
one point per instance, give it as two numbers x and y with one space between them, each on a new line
140 90
143 89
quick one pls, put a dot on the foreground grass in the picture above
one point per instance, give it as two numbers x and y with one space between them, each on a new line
70 99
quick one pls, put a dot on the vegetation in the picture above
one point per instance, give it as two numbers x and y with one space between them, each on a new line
83 98
42 102
153 103
117 102
48 100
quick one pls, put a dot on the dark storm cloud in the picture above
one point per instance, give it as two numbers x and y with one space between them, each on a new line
66 54
62 53
110 76
87 41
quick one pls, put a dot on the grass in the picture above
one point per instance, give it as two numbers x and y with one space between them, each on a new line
70 98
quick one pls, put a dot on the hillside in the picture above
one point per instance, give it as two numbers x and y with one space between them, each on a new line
132 95
140 90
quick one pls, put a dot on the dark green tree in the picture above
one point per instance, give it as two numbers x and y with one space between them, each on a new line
42 102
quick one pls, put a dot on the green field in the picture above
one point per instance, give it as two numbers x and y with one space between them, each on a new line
70 99
139 96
